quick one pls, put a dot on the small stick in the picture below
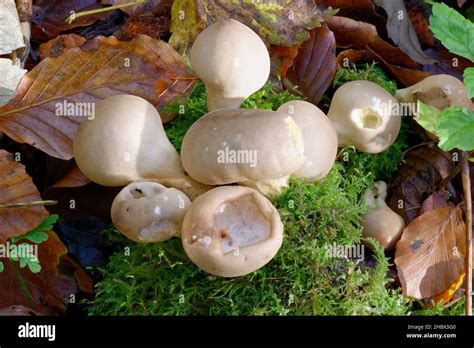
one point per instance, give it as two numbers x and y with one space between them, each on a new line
27 204
74 15
466 183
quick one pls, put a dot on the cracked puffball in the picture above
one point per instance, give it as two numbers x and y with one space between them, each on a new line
232 61
148 212
363 114
257 148
381 223
438 91
319 138
126 142
231 231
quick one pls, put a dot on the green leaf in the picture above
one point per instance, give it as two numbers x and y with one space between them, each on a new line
33 265
37 234
456 129
427 117
469 81
454 31
2 266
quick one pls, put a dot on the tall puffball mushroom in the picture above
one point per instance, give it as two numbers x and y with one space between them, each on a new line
363 115
439 91
125 142
381 223
231 231
258 148
148 212
319 138
232 61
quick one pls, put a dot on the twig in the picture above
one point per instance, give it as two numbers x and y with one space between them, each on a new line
27 204
74 16
466 183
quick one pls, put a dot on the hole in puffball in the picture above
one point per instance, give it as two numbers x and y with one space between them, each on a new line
371 120
240 223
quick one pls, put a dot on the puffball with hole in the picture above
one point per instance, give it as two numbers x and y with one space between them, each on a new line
231 231
319 138
363 114
125 142
148 212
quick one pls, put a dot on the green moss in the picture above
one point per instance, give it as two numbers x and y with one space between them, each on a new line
371 72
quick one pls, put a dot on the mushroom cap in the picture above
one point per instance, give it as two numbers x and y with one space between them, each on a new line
439 91
384 225
148 212
232 61
319 138
125 142
363 115
235 145
231 231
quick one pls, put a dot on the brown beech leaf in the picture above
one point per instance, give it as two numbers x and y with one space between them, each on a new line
349 32
360 10
101 68
420 174
61 43
401 31
420 17
18 311
17 187
49 15
430 255
48 291
315 65
435 201
283 58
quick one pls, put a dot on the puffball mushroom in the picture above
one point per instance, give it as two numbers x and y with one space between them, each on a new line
439 91
382 223
126 142
148 212
363 115
319 138
231 231
253 147
232 61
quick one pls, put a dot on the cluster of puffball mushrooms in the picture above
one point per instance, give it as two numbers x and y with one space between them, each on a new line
233 229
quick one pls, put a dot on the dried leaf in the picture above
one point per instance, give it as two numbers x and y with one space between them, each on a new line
283 57
430 255
18 311
422 171
17 187
359 10
448 294
48 291
49 16
280 22
74 178
315 65
401 31
349 32
435 201
420 17
60 44
101 68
